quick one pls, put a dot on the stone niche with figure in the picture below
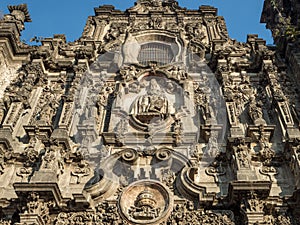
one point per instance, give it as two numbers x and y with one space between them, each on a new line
154 108
151 103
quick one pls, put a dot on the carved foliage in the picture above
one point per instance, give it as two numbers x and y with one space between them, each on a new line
186 213
196 31
5 156
242 155
47 106
37 206
53 158
107 213
145 6
30 158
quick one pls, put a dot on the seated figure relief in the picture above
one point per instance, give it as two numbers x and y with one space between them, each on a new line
153 104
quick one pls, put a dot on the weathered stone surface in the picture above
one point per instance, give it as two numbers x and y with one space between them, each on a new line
154 116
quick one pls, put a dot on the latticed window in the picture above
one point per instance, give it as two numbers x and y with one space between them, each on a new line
158 52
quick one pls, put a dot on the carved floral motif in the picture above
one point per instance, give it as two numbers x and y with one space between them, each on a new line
107 213
184 213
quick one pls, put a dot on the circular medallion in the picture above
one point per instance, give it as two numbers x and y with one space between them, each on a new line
146 202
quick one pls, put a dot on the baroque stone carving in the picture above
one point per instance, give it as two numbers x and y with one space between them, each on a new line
5 155
153 116
37 206
149 202
152 106
186 213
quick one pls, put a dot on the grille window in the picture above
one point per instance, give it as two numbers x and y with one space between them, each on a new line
160 53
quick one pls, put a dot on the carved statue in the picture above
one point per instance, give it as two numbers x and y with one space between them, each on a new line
121 129
154 102
178 130
212 146
255 112
243 155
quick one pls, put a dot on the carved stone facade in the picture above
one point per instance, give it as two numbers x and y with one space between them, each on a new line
153 116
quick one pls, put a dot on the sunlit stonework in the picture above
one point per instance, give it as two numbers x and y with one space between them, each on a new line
153 116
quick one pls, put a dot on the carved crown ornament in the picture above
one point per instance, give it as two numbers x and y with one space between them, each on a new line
144 6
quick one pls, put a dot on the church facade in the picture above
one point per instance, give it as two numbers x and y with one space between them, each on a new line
153 116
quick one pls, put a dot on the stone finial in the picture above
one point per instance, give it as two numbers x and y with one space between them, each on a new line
20 12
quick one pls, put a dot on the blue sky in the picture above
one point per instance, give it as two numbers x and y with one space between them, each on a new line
69 16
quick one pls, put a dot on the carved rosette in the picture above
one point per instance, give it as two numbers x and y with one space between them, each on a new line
146 202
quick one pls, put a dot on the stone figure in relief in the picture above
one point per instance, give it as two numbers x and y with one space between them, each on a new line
255 112
152 105
154 101
212 146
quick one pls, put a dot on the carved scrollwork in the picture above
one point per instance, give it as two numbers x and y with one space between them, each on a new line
268 170
163 154
215 171
129 155
106 213
81 170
